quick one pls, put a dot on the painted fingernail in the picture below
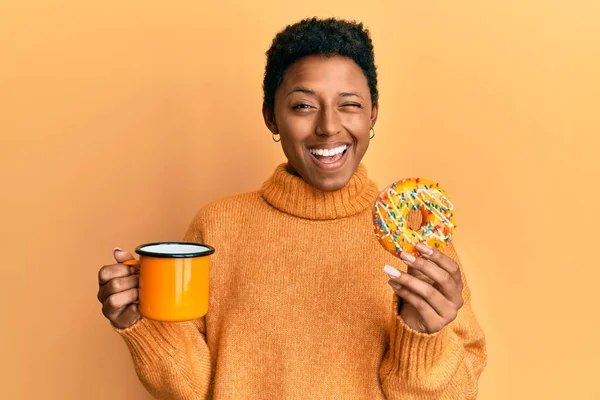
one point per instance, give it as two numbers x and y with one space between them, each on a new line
391 271
407 257
425 250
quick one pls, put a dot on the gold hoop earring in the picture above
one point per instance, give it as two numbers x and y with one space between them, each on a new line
276 140
372 133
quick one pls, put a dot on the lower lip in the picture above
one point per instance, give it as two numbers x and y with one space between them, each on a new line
330 166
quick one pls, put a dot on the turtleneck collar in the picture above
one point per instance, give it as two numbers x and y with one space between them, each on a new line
292 195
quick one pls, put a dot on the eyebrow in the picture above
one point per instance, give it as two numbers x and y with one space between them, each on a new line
302 90
312 92
349 94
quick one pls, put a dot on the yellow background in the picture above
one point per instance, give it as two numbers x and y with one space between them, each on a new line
119 119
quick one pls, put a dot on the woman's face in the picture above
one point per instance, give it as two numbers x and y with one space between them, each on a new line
323 113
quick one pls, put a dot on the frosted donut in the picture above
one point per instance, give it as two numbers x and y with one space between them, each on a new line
395 202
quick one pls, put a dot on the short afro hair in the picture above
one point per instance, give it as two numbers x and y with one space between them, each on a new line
328 37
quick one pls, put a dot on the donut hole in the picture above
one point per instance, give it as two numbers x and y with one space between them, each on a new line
415 219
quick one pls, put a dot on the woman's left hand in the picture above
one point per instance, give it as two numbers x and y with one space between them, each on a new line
433 297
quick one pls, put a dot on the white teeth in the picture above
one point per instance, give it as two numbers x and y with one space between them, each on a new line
327 152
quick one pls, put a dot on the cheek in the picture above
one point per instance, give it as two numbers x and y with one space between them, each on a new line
359 128
290 152
295 128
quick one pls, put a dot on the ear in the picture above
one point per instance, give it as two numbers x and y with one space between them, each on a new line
269 117
374 113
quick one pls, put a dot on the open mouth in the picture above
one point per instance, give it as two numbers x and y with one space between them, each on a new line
329 157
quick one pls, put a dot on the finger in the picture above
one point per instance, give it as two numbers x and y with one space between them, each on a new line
109 272
114 304
442 260
431 319
393 272
117 285
436 275
446 263
127 317
442 306
121 256
420 275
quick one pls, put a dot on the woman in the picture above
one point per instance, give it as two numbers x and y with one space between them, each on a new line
300 307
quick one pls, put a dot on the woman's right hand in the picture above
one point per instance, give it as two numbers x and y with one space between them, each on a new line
118 291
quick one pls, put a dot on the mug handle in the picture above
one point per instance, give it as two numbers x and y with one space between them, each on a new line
133 263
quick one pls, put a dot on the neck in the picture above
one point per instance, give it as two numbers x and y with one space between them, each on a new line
286 191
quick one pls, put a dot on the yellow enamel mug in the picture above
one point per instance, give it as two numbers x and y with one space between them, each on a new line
174 278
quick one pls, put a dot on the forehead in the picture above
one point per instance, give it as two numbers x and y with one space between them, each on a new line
322 74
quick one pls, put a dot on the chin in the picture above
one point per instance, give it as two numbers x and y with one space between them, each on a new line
324 180
331 184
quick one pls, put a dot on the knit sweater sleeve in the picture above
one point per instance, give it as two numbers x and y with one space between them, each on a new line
171 359
443 365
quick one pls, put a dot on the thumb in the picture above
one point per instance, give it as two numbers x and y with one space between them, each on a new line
121 256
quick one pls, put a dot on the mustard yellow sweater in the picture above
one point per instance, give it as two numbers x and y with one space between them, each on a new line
300 309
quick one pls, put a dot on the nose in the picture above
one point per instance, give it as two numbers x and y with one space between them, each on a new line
329 123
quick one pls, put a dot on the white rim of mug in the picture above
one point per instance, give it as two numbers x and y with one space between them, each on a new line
201 253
